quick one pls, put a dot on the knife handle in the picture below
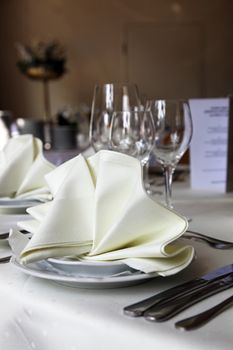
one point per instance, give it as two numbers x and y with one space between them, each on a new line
165 311
4 235
201 319
138 309
5 259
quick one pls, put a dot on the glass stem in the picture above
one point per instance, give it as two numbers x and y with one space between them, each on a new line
146 174
168 173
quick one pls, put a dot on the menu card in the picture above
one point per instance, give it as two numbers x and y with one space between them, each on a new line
229 183
209 146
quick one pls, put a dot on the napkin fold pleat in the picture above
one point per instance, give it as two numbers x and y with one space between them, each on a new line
56 178
35 175
101 211
164 267
132 213
72 207
136 222
22 169
140 251
45 252
114 180
16 156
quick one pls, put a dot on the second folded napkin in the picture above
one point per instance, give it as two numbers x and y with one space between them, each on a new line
101 212
22 169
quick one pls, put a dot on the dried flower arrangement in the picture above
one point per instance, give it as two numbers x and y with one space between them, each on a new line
41 60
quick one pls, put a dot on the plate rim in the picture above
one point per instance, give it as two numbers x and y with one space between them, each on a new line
49 275
14 205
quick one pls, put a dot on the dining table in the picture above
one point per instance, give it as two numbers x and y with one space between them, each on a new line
41 314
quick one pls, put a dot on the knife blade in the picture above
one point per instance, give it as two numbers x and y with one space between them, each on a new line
138 309
165 311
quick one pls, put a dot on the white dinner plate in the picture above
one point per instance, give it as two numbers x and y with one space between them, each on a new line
16 206
44 269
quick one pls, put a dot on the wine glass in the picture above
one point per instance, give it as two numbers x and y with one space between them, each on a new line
132 133
173 133
107 99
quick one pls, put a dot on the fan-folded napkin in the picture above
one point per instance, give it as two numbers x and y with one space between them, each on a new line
22 169
101 212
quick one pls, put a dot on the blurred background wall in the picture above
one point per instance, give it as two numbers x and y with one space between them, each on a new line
170 48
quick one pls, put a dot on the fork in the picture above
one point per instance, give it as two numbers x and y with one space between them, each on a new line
213 242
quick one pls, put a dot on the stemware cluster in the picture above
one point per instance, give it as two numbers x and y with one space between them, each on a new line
119 122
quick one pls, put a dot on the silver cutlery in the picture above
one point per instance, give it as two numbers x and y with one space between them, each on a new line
4 235
202 318
213 242
165 311
138 309
6 259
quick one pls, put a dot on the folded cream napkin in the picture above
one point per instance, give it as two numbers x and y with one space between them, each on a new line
101 212
22 169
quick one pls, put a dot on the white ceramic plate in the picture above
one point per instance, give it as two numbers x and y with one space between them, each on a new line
16 206
44 269
90 268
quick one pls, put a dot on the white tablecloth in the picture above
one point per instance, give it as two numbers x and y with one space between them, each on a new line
39 314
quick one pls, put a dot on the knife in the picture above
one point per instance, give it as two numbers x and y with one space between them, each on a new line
165 311
4 235
201 319
138 309
5 259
